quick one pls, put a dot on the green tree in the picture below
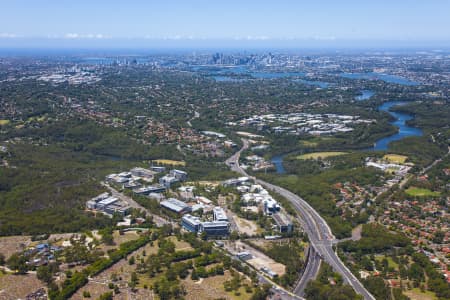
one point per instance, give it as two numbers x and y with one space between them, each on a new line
44 273
17 263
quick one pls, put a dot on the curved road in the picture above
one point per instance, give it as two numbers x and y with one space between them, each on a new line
318 231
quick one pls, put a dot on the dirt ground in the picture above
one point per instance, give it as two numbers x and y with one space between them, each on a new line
18 286
356 233
180 245
118 239
211 288
259 259
12 244
259 262
99 284
246 226
97 288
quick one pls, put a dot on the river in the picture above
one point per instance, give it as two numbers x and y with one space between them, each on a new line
382 144
365 95
400 122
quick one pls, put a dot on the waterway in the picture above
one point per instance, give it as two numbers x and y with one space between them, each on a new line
277 160
365 95
404 130
382 144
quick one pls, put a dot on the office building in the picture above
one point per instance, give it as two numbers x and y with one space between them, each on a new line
283 222
218 228
219 214
178 174
190 223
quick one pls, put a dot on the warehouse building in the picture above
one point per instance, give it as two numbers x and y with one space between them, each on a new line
176 206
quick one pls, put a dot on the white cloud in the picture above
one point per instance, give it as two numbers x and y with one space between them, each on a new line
252 38
85 36
324 38
6 35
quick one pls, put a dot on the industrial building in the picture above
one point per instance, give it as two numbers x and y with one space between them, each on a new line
283 222
190 223
132 185
108 205
147 190
176 206
271 206
235 181
269 272
216 228
168 180
244 255
219 214
178 174
143 173
117 208
158 169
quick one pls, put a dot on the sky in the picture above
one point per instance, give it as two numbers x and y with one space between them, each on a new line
203 23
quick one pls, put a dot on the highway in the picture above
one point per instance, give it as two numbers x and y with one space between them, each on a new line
317 229
310 272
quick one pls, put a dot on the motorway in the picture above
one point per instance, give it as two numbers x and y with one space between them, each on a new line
310 272
317 229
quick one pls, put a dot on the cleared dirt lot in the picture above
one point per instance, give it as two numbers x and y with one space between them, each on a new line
12 244
245 226
18 286
212 288
259 259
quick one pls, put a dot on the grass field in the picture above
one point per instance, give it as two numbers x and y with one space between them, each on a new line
320 155
180 245
416 294
419 192
395 158
169 162
309 144
4 122
391 262
212 288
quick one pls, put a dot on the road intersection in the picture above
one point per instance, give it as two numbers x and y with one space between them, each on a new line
317 229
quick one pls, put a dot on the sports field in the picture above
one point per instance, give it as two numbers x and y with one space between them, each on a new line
419 192
320 155
395 158
169 162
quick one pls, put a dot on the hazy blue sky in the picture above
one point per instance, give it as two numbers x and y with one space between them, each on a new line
101 22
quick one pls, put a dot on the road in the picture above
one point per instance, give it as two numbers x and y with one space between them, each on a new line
317 229
310 272
278 292
426 169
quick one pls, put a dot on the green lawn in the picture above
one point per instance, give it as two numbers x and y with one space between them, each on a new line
417 294
391 262
419 192
395 158
320 155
